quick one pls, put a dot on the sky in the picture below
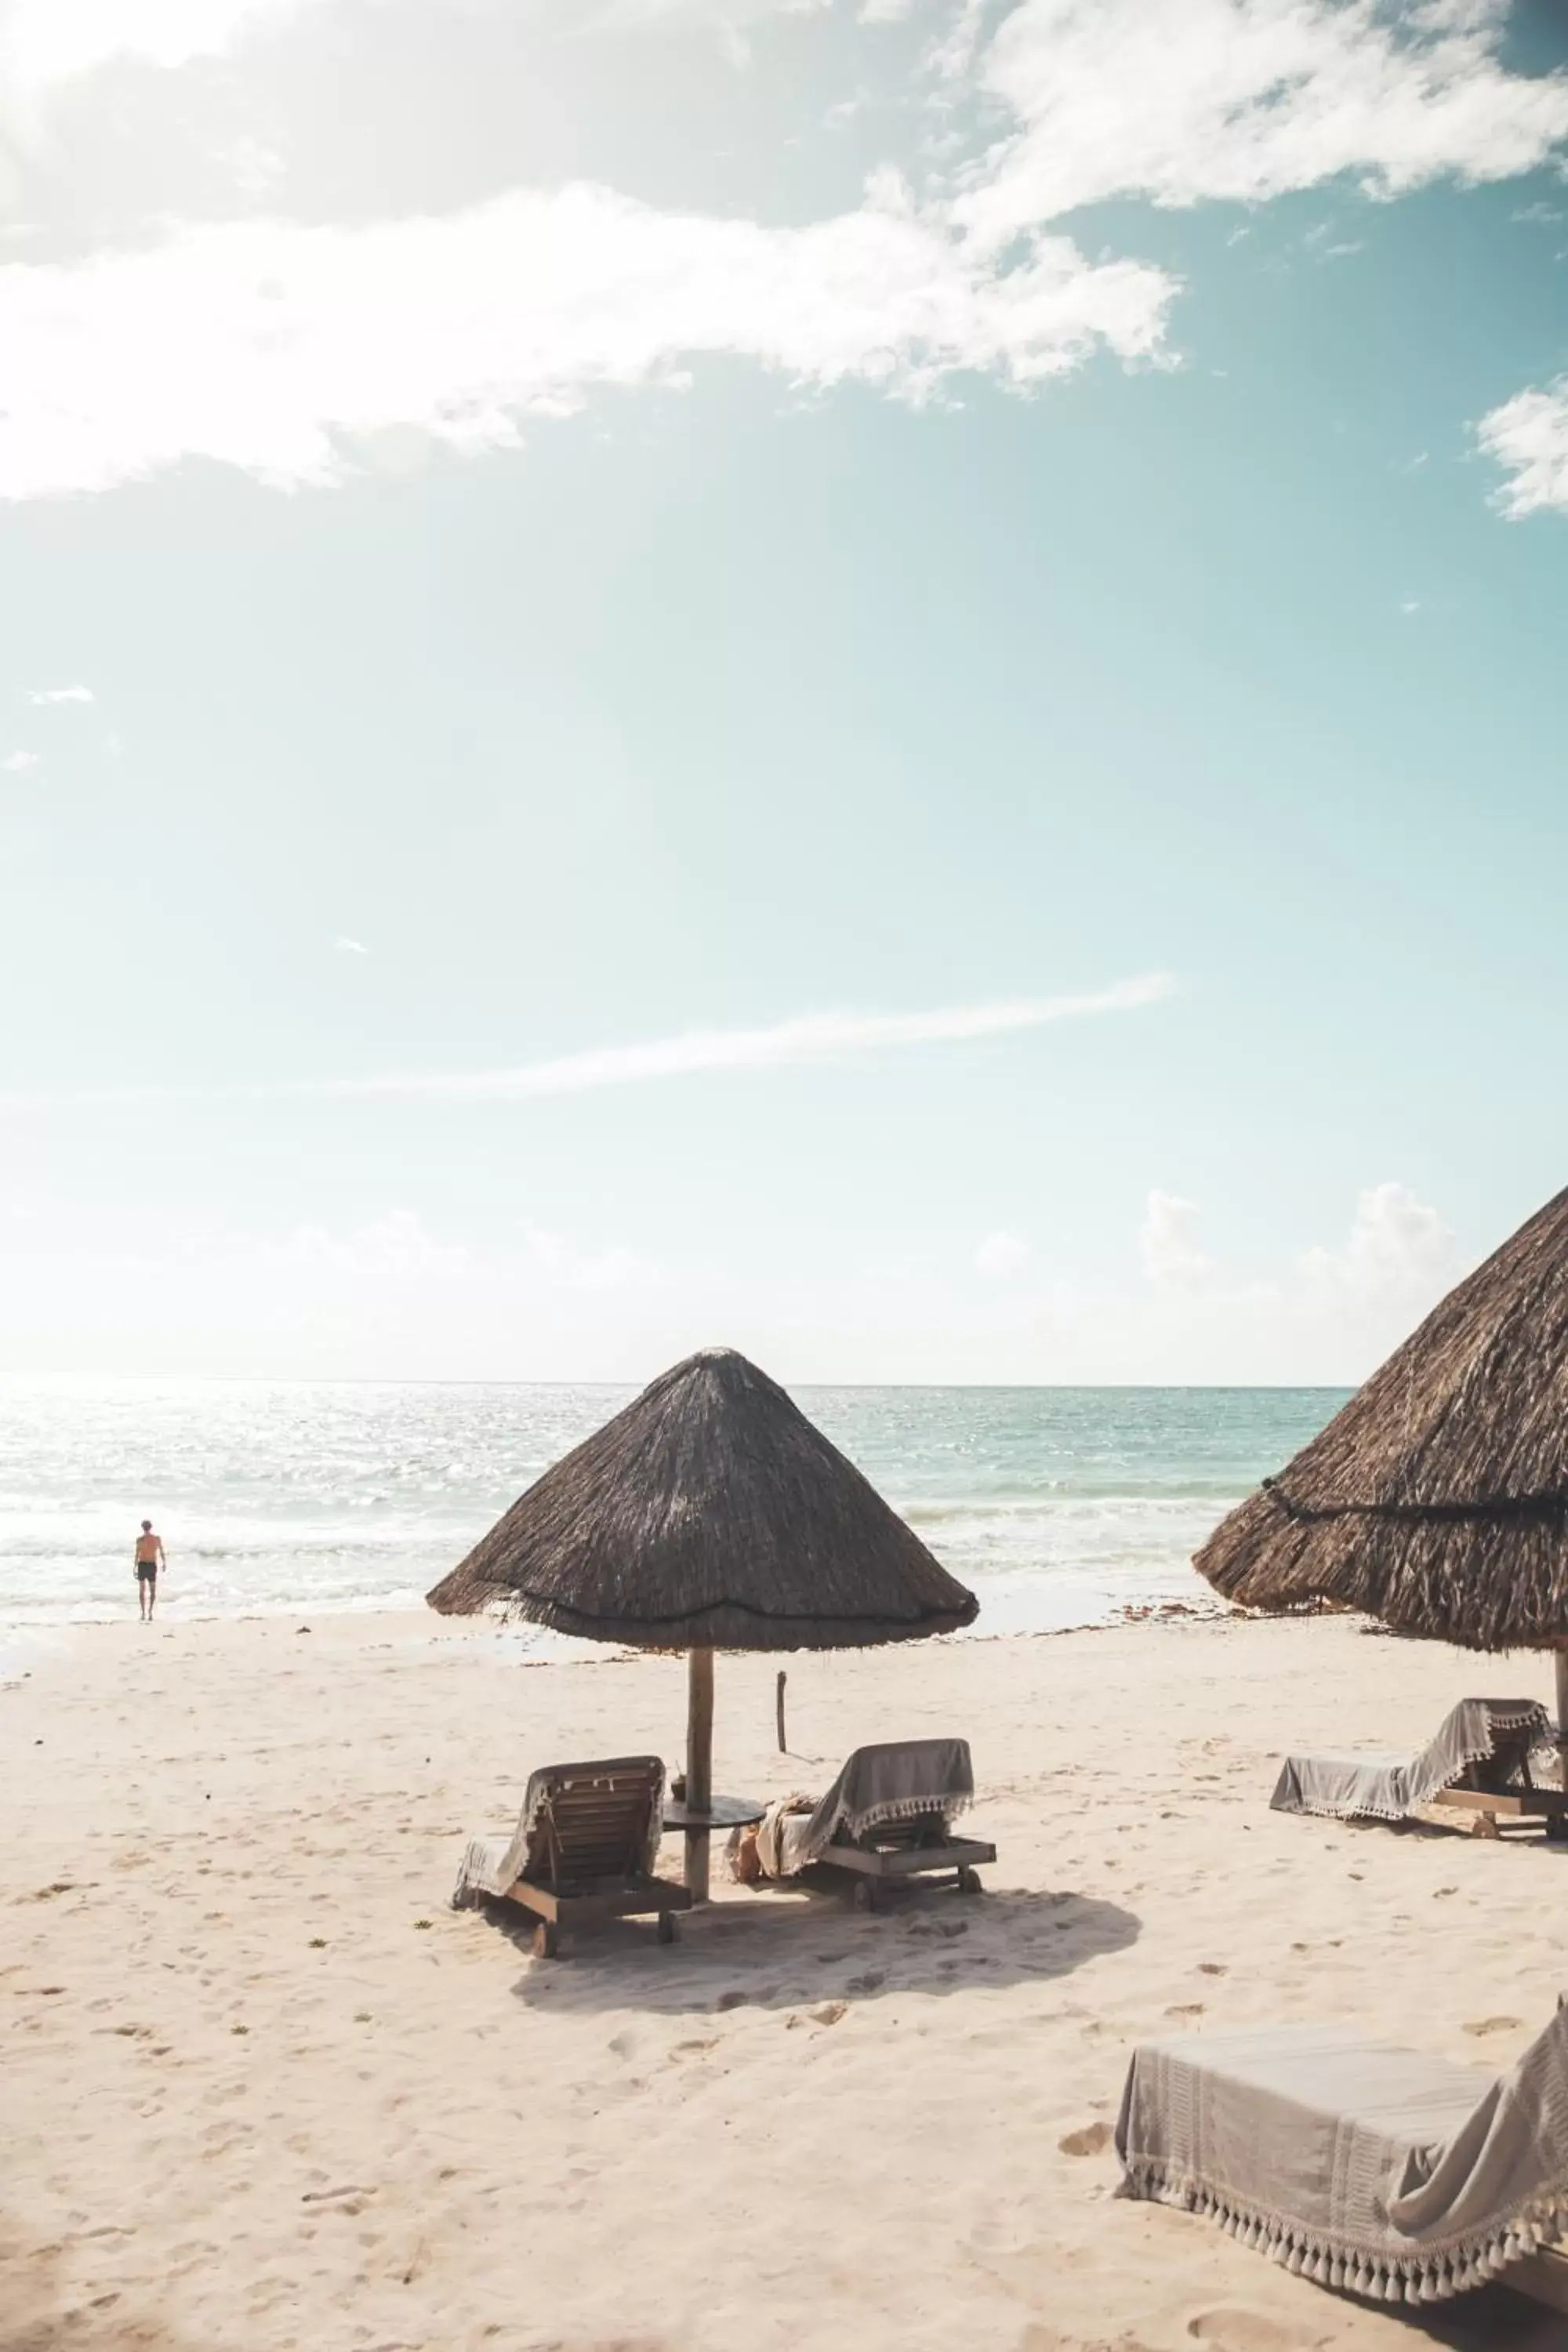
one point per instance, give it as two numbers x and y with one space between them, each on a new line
878 679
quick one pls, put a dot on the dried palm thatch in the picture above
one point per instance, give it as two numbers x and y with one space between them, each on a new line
710 1514
1438 1498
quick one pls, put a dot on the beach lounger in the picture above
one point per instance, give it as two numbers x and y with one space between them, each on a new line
1387 2174
584 1852
1479 1763
887 1821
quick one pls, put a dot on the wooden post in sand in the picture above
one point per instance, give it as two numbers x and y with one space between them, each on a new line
699 1766
1561 1658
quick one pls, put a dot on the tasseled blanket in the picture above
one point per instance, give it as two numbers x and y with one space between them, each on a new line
1351 1783
1398 2176
899 1781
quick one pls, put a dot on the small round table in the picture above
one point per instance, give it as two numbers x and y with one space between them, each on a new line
720 1813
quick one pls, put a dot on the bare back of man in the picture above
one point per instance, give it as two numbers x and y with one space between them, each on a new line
149 1560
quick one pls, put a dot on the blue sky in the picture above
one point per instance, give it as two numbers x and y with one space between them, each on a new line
884 685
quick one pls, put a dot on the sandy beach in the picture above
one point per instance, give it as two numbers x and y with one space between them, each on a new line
263 2089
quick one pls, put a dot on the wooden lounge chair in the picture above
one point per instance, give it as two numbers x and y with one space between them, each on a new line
1500 1787
886 1822
1479 1763
582 1854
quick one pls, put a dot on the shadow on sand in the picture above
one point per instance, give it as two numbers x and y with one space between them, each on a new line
782 1950
40 2312
1490 2320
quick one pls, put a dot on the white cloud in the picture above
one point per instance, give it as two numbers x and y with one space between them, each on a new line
297 353
727 18
1167 1241
48 41
45 41
351 947
566 1262
1527 438
48 694
1409 604
814 1038
1399 1252
287 351
1002 1257
16 763
1247 99
371 1298
397 1243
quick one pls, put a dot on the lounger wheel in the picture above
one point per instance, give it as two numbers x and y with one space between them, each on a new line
666 1926
866 1896
969 1881
546 1940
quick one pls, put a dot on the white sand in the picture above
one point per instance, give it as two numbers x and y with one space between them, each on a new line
263 2088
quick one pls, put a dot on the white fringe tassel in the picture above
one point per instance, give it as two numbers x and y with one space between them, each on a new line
1415 2277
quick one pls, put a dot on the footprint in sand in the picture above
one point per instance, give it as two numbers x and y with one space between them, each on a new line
1211 1967
1186 2008
1493 2025
829 2013
730 2001
1036 2337
872 1981
1090 2141
1232 2328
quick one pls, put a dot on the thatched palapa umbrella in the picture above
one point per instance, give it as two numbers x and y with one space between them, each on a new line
709 1515
1438 1498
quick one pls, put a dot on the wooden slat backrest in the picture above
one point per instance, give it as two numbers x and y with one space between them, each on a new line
1508 1766
927 1829
594 1824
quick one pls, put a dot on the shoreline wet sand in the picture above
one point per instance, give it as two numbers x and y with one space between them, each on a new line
265 2090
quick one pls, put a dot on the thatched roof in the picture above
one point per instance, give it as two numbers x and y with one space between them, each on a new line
711 1514
1438 1498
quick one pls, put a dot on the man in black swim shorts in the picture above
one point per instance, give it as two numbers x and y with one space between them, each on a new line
149 1560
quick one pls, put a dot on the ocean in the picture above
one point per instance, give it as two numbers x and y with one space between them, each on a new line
1058 1507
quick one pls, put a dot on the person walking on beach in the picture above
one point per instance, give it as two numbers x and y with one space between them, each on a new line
149 1560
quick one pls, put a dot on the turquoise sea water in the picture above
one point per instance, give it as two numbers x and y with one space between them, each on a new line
1060 1506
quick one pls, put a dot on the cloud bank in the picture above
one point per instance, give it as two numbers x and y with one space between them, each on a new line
286 350
1242 101
298 352
44 41
815 1038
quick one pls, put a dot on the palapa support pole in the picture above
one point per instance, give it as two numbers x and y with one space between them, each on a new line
1560 1659
784 1744
699 1766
